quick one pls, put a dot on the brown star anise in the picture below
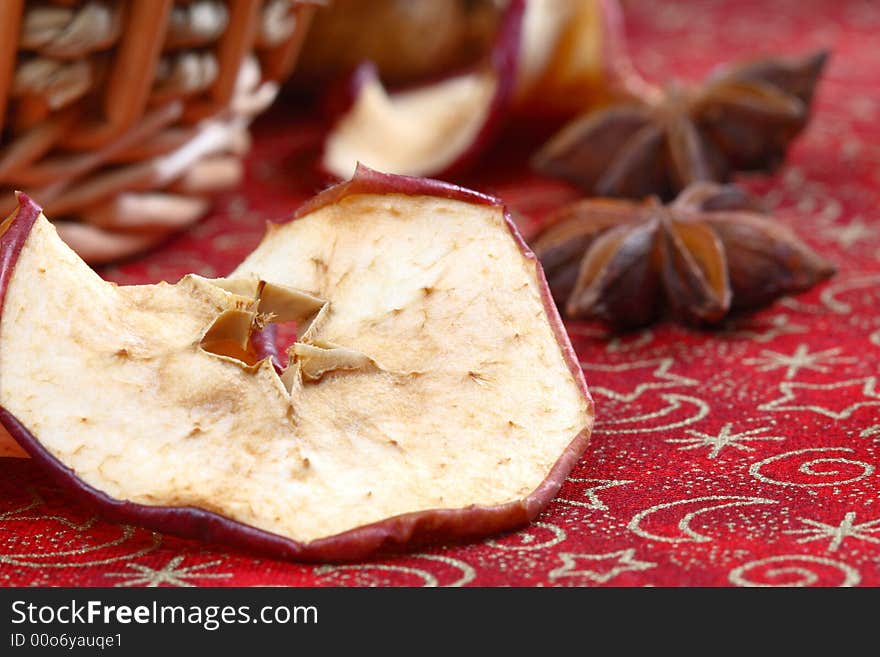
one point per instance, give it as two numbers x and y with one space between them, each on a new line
709 252
739 119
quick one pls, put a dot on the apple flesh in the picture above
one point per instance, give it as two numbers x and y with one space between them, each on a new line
432 393
420 132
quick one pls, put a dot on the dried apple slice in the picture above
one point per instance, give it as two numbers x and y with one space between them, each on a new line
430 130
432 393
425 131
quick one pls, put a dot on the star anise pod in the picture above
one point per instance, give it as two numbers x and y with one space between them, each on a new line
712 251
739 119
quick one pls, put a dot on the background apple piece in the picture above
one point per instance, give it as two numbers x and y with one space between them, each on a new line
574 57
435 129
561 45
416 132
469 424
408 40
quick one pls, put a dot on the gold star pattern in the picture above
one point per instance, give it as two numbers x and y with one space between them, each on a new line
659 370
872 431
723 439
620 561
819 361
790 392
837 534
170 574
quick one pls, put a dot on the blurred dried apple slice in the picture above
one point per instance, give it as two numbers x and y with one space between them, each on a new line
429 130
550 56
425 131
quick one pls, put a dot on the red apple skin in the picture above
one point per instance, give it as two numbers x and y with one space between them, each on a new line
392 535
12 239
503 62
265 346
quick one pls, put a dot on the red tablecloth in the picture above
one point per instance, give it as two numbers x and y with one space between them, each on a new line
742 457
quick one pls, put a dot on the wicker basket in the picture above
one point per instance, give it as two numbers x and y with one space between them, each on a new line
122 117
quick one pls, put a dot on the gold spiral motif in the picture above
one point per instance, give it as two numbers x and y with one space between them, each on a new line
809 468
792 570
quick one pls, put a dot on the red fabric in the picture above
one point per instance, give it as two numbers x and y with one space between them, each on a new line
661 496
